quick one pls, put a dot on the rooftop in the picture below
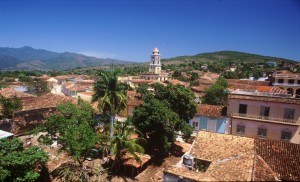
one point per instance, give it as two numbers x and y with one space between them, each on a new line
211 110
235 158
264 98
231 158
46 101
10 93
282 157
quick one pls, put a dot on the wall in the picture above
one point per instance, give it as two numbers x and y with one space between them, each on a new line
253 108
273 129
217 125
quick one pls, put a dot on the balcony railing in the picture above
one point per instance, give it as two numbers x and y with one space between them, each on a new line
266 118
286 84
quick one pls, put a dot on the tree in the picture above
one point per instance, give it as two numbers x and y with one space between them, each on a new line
74 127
179 99
110 94
38 87
156 121
217 93
123 142
142 89
9 106
18 164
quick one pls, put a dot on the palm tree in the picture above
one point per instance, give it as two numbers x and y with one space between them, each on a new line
123 142
110 94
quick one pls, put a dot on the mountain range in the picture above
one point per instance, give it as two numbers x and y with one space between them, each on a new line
28 58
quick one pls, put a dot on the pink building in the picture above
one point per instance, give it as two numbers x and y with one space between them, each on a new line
273 116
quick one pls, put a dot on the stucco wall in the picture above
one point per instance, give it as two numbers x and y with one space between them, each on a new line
273 129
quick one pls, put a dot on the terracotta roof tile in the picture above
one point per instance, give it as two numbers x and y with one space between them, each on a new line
282 157
211 110
271 89
175 82
248 82
10 93
206 81
231 157
199 88
46 101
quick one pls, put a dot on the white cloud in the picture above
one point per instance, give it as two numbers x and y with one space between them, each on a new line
98 54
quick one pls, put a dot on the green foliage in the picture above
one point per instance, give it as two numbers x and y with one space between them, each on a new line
165 111
156 121
38 87
9 106
217 93
179 99
176 74
122 142
74 126
110 93
142 89
16 163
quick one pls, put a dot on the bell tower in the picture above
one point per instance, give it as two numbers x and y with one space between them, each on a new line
154 65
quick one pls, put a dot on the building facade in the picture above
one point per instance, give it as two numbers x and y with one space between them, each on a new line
288 81
264 115
210 118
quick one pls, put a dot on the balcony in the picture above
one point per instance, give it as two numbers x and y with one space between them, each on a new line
267 119
286 84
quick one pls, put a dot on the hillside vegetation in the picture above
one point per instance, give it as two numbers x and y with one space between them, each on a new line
226 56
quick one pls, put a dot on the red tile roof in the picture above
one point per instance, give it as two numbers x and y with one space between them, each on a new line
199 88
46 101
210 75
271 89
282 157
248 82
175 82
206 82
211 110
10 93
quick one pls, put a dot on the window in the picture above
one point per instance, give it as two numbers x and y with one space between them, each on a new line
286 135
289 113
291 81
264 110
280 80
298 82
240 129
195 124
243 109
262 132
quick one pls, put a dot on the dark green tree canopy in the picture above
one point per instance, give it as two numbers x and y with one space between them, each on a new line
217 93
9 106
179 99
155 120
110 93
17 163
74 126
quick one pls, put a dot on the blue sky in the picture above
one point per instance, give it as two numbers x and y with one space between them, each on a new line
130 29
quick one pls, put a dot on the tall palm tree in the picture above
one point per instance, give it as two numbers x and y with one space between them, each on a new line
123 142
110 94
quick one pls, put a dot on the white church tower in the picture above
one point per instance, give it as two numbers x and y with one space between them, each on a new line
154 65
155 72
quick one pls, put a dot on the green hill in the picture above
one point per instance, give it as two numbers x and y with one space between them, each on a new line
228 56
